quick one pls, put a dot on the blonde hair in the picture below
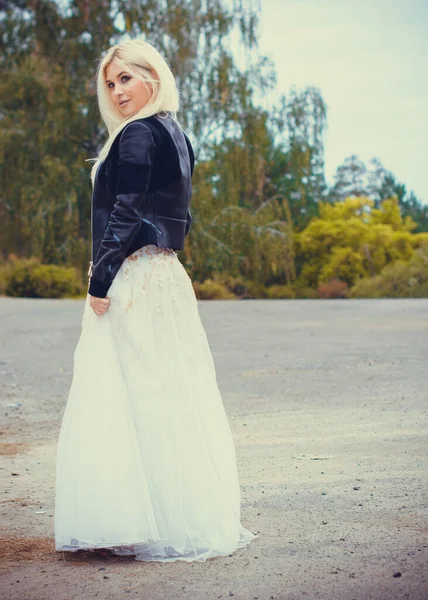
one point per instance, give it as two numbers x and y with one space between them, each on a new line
139 58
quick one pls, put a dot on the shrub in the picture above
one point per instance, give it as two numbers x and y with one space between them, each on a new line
212 290
342 266
237 285
53 281
333 289
398 280
255 290
281 291
28 278
305 292
391 283
18 277
5 273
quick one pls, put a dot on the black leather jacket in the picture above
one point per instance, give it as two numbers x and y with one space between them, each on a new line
141 196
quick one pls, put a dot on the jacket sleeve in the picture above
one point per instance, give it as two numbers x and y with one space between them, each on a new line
191 154
135 158
192 165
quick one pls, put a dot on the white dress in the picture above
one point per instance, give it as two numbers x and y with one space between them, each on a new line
146 461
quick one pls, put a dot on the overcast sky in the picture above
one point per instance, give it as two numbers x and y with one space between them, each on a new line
370 60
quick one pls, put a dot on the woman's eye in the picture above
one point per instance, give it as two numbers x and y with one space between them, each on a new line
123 78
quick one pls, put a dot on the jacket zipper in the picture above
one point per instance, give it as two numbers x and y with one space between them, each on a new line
91 264
152 225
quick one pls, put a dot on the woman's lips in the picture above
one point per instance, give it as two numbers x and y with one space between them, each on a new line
124 103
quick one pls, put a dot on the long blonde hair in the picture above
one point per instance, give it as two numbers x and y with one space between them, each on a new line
139 58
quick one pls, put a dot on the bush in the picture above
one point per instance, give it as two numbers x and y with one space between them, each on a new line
28 278
17 280
333 289
280 291
235 284
212 290
225 286
305 292
5 273
398 280
53 281
255 291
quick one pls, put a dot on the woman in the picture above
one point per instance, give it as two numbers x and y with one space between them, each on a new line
146 461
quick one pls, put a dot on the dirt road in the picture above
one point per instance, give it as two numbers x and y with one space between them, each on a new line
328 404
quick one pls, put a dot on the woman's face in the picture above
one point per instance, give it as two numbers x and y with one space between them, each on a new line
127 92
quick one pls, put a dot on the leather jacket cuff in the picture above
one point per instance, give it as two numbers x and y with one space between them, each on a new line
98 288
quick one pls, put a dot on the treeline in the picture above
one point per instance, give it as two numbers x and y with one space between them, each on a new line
265 221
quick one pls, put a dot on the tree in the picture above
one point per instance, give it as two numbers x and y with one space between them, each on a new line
384 184
350 180
296 161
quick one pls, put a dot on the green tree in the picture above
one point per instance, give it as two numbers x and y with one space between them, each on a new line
384 184
350 180
295 168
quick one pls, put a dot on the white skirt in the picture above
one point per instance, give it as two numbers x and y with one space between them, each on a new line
146 461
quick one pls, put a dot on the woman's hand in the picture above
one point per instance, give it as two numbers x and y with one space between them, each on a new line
99 305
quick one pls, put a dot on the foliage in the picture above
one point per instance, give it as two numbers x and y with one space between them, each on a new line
401 279
212 290
257 245
420 240
352 239
350 180
281 292
16 277
305 292
354 179
295 167
30 279
334 289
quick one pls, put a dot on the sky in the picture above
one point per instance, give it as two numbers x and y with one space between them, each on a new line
369 58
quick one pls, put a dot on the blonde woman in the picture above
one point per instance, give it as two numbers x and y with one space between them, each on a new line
146 461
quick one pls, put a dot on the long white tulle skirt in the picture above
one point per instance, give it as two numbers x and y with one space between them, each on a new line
146 461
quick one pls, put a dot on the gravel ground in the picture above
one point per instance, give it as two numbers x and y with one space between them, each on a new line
328 404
